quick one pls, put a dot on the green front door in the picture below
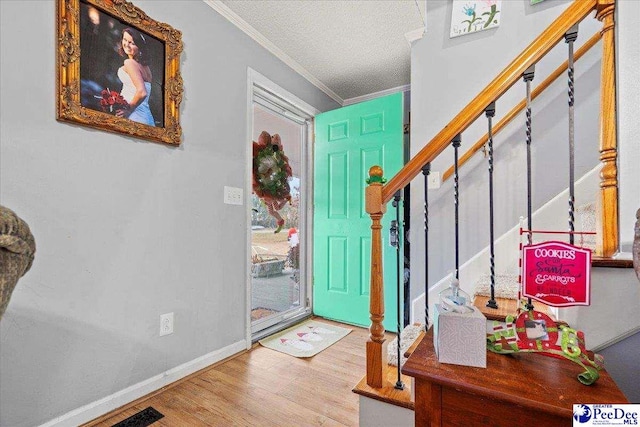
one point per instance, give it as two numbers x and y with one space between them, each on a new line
348 141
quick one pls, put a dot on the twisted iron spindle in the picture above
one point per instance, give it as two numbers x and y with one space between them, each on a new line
528 78
426 170
406 252
490 111
395 227
569 38
456 144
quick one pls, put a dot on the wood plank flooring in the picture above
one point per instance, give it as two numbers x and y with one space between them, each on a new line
263 387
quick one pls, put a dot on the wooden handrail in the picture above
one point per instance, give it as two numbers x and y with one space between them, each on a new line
575 13
522 104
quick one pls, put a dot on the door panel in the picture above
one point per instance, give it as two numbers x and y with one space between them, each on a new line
348 142
338 185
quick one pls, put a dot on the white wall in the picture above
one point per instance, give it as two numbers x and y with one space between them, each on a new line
125 229
628 54
446 75
374 413
612 315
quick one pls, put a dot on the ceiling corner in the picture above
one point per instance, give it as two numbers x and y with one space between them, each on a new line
415 35
245 27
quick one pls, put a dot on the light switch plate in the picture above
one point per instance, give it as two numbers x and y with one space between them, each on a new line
166 324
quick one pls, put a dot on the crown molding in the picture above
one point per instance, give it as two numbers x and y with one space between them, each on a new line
370 96
243 25
415 35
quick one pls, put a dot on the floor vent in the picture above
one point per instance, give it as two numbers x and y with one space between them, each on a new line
141 419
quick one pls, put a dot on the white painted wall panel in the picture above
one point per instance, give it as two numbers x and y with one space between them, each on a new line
628 53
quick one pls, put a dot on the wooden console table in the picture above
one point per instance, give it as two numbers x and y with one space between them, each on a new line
521 389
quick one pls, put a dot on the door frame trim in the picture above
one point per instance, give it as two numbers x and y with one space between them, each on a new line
254 78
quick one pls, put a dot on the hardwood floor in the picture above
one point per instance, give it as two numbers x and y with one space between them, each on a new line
263 387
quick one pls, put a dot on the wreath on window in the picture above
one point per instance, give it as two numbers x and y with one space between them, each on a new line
271 173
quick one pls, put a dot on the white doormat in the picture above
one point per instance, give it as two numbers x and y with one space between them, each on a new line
306 339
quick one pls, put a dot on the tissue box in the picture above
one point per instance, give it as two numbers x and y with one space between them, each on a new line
460 338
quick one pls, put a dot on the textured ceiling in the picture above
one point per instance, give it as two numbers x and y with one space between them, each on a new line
355 47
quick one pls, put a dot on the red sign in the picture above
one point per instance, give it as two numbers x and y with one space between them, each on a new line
557 274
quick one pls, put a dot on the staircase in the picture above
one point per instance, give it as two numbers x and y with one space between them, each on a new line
474 276
600 211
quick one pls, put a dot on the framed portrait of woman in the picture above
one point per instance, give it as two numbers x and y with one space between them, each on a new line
118 70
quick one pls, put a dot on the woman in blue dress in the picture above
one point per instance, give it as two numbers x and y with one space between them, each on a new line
136 78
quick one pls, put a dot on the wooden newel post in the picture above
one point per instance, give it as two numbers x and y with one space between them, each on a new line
376 348
608 239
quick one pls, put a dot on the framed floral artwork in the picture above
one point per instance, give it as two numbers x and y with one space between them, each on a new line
470 16
118 70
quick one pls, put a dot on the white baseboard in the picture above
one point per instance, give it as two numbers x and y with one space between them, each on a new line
107 404
617 339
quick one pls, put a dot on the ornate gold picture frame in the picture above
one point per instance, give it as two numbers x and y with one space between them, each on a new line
118 70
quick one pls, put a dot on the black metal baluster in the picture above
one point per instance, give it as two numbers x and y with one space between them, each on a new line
569 38
490 111
426 170
528 78
395 241
456 144
406 252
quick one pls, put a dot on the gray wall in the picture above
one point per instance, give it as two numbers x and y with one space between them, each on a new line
621 361
612 318
126 230
446 75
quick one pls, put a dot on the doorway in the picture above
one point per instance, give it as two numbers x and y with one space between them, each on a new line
349 141
278 239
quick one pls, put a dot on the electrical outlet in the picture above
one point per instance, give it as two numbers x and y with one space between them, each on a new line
233 195
166 324
434 181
